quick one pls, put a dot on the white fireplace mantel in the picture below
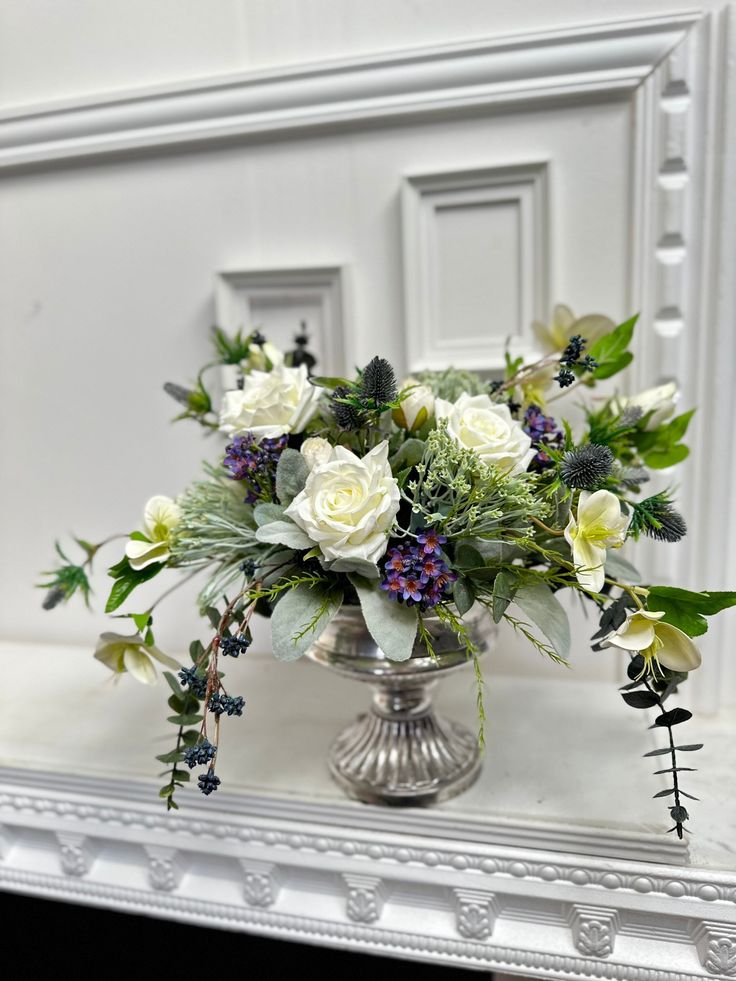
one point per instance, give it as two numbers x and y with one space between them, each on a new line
555 865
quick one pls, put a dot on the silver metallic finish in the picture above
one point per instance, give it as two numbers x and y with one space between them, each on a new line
401 752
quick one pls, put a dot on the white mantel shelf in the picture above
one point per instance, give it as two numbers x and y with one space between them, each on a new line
555 865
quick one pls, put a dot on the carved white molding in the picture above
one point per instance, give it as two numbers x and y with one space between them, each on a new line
261 882
77 853
683 227
476 913
365 899
165 867
412 893
716 945
524 69
594 929
513 194
315 294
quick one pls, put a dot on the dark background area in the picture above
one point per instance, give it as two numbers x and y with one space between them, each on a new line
46 939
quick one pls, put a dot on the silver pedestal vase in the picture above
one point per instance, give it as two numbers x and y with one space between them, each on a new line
400 752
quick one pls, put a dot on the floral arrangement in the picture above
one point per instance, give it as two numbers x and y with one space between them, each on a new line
414 500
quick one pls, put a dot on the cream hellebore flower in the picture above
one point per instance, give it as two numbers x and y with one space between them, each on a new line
599 525
270 403
416 407
660 401
123 653
657 642
348 504
316 450
556 336
160 516
479 424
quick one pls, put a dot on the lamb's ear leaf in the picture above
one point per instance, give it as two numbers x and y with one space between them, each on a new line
291 475
291 633
266 512
393 627
542 607
284 533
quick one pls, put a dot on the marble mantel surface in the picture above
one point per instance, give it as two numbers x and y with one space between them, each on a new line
555 864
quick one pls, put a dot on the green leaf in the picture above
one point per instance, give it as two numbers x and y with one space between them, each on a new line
181 776
640 699
127 582
505 585
173 682
607 369
659 459
680 749
166 791
463 595
138 536
295 611
291 475
393 627
196 650
467 556
284 533
185 720
326 381
542 607
688 610
611 346
267 512
190 737
408 455
175 756
674 717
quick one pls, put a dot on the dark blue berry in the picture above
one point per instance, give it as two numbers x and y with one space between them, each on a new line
208 782
200 754
234 646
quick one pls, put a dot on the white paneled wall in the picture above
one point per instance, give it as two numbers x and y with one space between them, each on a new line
425 206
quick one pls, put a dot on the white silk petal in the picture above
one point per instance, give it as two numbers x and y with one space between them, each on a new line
678 652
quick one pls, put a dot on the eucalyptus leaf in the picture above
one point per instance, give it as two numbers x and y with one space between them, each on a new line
409 454
463 595
284 533
266 512
542 607
504 587
291 475
392 626
291 633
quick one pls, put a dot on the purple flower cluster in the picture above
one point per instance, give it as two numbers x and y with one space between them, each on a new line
545 435
254 462
416 574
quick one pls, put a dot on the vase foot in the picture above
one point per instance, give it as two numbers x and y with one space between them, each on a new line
410 762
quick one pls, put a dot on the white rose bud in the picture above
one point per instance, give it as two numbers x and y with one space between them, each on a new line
316 451
416 407
270 403
348 504
479 424
660 401
260 354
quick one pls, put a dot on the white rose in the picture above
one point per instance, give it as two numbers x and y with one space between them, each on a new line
479 424
416 407
270 403
316 451
660 401
348 504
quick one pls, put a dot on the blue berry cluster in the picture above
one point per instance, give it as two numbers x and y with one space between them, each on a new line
208 782
545 436
196 683
200 754
234 646
254 463
221 704
572 357
416 573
